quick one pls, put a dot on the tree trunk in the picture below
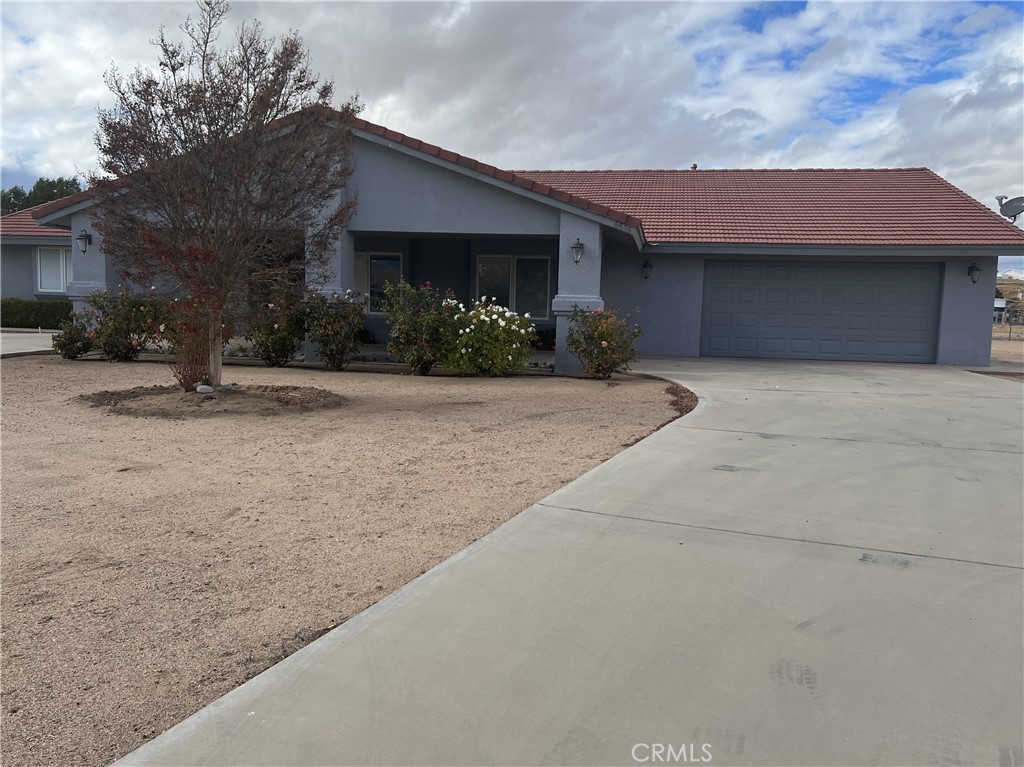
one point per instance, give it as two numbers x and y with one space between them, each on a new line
216 347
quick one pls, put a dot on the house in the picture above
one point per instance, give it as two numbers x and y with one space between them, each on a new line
1011 274
35 260
892 265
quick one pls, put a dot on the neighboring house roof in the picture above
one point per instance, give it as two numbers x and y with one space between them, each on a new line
905 206
23 224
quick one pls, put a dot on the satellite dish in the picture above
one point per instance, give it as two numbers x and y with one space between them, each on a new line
1010 208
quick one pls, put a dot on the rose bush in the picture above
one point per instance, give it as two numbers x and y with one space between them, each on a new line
602 341
74 339
422 324
334 323
277 329
490 339
124 323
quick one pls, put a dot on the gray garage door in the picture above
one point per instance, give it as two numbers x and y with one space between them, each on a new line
831 311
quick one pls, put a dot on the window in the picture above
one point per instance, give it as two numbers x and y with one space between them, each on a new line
519 282
372 270
53 270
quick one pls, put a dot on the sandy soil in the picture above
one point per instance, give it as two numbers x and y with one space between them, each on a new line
151 565
1004 350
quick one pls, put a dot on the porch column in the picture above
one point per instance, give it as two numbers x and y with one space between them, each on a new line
340 275
578 284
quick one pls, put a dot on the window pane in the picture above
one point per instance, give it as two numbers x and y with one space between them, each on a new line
494 278
50 277
361 275
532 287
67 267
382 269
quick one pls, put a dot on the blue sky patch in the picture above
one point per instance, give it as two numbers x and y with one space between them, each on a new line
754 19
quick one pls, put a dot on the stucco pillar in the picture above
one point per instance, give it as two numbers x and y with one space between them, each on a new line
578 284
337 276
91 271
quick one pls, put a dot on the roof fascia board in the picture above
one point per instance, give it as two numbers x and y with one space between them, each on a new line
36 239
499 184
61 219
726 249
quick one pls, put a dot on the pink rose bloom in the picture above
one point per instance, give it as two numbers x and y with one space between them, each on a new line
604 344
135 342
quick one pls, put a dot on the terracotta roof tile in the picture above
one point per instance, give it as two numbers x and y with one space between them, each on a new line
23 224
898 206
904 206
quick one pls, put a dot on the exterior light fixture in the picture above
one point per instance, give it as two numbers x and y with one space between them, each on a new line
577 251
973 272
647 268
84 240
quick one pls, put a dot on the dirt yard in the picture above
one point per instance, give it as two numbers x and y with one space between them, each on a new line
150 565
1004 350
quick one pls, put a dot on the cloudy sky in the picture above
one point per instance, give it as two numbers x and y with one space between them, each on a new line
533 85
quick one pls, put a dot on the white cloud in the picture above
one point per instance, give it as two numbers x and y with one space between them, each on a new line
574 85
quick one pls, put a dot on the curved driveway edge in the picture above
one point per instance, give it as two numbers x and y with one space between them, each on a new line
821 565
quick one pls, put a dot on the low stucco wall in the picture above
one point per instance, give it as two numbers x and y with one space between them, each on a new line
17 272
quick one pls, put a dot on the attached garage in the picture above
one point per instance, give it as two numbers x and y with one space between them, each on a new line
864 311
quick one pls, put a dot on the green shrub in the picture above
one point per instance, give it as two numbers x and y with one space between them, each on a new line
125 323
490 340
277 330
19 313
334 324
74 338
422 324
603 342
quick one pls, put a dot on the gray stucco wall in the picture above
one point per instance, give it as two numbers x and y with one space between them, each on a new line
401 193
17 272
965 320
669 302
91 271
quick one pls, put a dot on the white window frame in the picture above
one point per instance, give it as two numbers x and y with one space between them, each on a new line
65 270
512 280
367 256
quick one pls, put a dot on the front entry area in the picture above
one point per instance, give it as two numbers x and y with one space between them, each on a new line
863 311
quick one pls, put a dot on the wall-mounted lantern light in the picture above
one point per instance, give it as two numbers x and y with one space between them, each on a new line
647 268
84 240
973 272
577 251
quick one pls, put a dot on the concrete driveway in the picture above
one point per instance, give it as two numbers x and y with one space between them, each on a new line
821 565
14 343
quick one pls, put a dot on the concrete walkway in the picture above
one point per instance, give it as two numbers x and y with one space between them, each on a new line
14 343
821 565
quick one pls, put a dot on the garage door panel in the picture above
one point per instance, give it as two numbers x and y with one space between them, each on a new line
749 295
860 311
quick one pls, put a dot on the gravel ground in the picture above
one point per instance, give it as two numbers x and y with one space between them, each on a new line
150 565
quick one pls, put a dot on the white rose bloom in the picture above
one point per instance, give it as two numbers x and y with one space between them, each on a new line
527 315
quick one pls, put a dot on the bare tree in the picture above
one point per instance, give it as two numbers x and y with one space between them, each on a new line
223 171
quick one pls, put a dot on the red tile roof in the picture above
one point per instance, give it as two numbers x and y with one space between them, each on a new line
899 206
22 224
905 206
